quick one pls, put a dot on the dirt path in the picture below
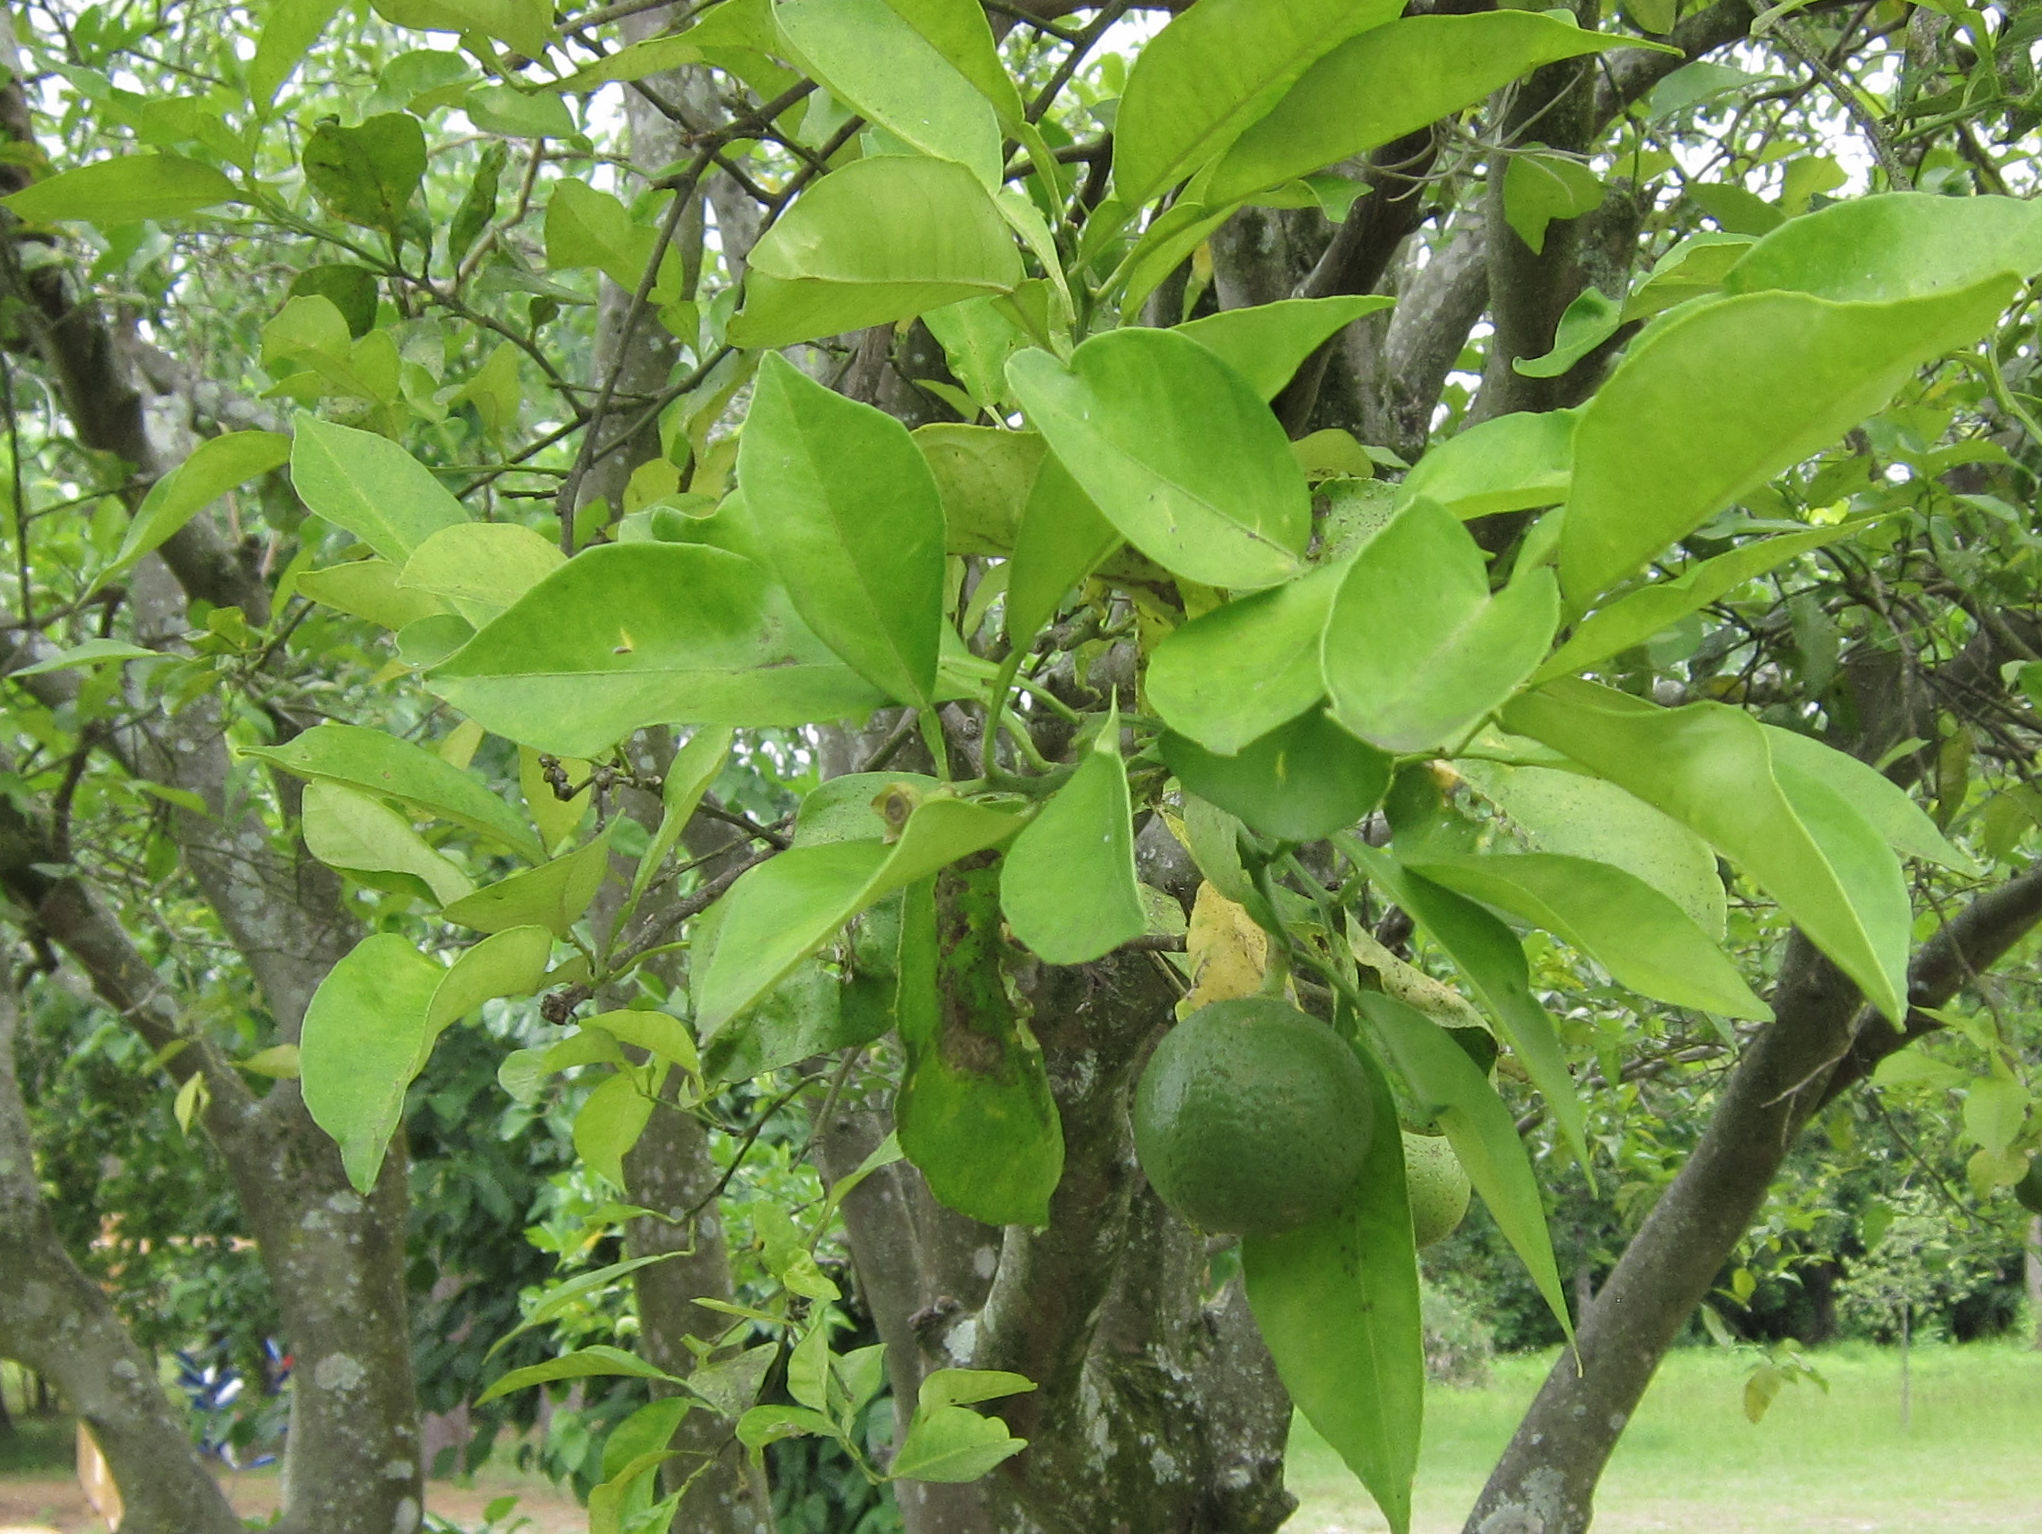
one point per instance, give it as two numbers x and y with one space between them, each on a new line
55 1504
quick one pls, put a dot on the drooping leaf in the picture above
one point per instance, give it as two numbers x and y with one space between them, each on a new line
1416 649
359 835
688 777
880 240
1542 186
632 634
1480 1128
1885 804
1067 885
1061 540
1337 1303
857 528
507 963
786 908
872 59
1584 325
554 895
1719 398
364 1030
349 288
385 765
1892 246
124 190
1641 937
1508 463
609 1123
1303 780
480 568
1268 343
213 468
1212 72
369 174
369 486
1711 768
1176 450
1390 81
1230 676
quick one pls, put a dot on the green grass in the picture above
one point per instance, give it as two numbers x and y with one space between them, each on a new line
39 1446
1691 1464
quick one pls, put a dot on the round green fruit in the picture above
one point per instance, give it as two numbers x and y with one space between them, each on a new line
1438 1185
1252 1118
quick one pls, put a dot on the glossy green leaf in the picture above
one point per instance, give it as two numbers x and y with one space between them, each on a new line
1711 768
609 1123
1067 885
587 227
1541 187
1268 343
1214 70
1481 1130
961 31
287 36
1584 325
1337 1303
1638 615
554 895
1061 540
1888 807
384 765
1176 450
786 908
871 58
1230 676
90 652
1719 398
367 588
480 568
585 1363
1390 81
124 190
357 834
1507 463
518 113
974 1113
369 174
1575 815
507 963
1416 650
369 486
949 1443
658 1033
1893 246
857 528
632 634
688 777
1303 780
983 475
880 240
1641 937
213 468
1489 955
364 1031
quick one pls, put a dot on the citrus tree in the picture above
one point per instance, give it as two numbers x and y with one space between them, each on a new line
895 548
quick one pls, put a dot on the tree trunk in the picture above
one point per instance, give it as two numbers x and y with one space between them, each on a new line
56 1321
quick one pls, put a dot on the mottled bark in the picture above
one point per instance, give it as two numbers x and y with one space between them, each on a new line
57 1322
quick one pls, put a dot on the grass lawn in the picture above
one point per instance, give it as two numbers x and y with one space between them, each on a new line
1691 1464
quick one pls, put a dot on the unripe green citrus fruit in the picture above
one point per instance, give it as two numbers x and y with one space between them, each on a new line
1438 1185
1252 1118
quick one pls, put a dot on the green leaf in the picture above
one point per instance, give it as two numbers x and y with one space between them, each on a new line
124 190
1230 676
983 477
1994 1111
1067 885
1176 450
480 568
287 36
356 834
1479 1127
632 634
688 777
584 1363
367 588
478 203
967 1387
391 768
1337 1303
949 1443
1641 937
857 528
90 652
350 289
609 1124
369 486
1574 815
507 963
870 57
1061 540
1541 187
1584 325
554 895
1416 649
518 114
1711 767
783 910
1715 400
1213 71
364 1032
1486 951
527 25
557 1299
1391 81
367 175
1507 463
1268 343
586 227
1888 808
880 240
1894 246
659 1033
1303 780
1638 615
